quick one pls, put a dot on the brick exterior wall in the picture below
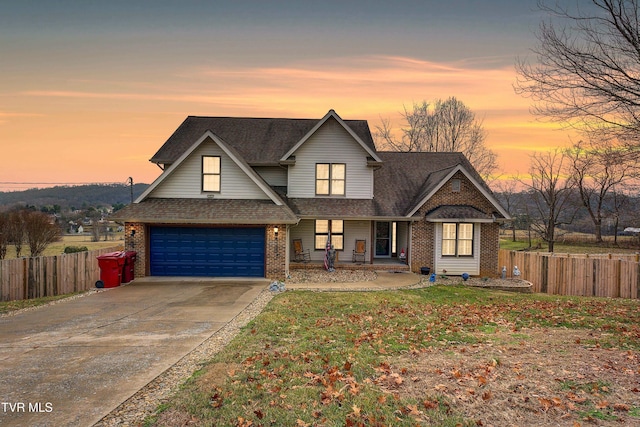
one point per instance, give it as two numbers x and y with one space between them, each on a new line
423 232
489 247
275 251
137 243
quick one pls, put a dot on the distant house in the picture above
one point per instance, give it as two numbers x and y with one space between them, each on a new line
235 193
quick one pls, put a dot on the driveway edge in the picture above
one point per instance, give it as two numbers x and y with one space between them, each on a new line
145 401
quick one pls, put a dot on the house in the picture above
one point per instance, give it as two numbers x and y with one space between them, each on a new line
235 193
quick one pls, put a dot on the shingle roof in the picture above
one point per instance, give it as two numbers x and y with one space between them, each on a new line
258 140
335 208
209 211
457 212
403 178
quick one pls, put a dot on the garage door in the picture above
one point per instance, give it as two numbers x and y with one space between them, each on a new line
206 252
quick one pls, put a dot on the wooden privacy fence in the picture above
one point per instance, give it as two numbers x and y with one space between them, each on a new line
26 278
616 276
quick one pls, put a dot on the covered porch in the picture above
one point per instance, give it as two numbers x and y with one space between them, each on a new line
359 243
379 264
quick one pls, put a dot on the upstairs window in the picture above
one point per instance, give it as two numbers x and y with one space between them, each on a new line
326 228
457 239
211 173
330 179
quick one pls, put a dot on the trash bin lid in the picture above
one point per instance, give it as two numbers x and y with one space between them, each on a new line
110 255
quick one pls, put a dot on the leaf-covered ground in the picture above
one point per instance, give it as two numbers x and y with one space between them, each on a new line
445 355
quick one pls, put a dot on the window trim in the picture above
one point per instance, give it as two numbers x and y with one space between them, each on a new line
330 179
325 235
457 240
203 174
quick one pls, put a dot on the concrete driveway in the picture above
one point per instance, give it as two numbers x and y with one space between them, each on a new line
70 364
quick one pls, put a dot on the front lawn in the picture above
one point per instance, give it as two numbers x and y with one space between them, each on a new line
444 355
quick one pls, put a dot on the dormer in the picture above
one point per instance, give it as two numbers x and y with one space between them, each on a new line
331 161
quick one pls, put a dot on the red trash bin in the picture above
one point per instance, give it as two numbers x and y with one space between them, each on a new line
128 271
110 269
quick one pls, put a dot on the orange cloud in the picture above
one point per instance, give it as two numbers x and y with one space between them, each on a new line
129 120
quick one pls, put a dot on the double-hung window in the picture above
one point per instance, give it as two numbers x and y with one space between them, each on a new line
457 239
329 227
330 179
211 173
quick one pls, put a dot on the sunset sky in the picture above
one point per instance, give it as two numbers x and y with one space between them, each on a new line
89 90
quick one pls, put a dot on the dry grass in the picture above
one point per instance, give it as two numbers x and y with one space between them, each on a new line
443 355
57 248
542 377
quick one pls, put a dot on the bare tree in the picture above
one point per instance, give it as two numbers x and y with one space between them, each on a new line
16 231
40 231
586 72
551 192
507 194
444 126
620 204
4 234
597 170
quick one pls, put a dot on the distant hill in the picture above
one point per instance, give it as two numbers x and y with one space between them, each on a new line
73 196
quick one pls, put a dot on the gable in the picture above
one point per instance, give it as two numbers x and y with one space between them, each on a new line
407 181
330 117
183 179
330 143
460 195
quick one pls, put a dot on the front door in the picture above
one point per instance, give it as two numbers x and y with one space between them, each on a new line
383 239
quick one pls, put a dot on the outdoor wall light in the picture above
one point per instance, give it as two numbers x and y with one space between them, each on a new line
275 231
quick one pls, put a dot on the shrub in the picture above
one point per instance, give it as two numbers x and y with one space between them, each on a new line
74 249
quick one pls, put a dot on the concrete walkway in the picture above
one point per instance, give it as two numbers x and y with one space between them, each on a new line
385 281
71 363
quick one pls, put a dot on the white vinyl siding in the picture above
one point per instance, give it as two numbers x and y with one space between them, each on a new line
273 175
331 143
353 230
186 180
456 265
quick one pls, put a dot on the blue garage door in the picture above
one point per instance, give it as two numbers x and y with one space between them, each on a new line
207 252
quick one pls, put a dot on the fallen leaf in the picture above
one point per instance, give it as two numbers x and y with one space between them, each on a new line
546 403
486 395
356 410
413 410
621 407
430 404
575 398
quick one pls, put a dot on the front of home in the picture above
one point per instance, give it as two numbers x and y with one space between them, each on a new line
249 196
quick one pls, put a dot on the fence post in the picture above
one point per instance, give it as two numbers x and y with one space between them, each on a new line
25 278
544 274
637 282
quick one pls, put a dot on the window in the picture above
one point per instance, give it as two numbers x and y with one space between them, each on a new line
330 179
211 173
457 239
326 228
